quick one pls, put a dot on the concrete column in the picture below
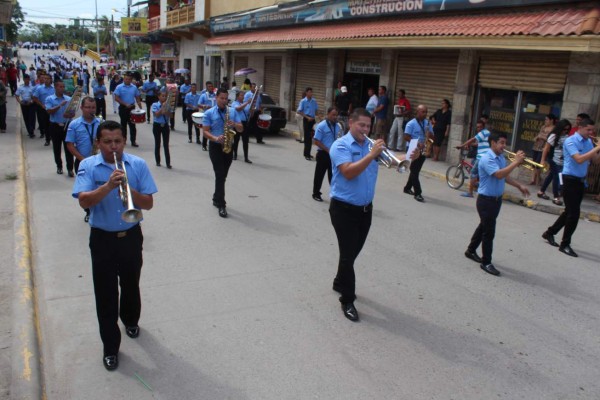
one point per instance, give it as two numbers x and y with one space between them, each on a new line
582 89
333 57
461 102
288 84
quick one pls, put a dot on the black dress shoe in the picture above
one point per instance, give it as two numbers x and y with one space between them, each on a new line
132 331
189 140
261 142
59 171
409 191
567 250
111 362
234 158
247 160
204 148
222 212
47 144
169 166
71 174
158 164
490 269
550 238
350 311
419 198
135 145
473 256
317 197
198 141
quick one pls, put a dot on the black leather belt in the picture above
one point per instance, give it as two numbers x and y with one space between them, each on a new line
364 209
118 235
574 178
495 198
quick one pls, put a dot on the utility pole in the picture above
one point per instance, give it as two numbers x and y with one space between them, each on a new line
127 38
97 31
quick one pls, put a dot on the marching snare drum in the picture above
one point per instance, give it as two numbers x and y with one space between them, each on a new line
138 116
264 121
197 117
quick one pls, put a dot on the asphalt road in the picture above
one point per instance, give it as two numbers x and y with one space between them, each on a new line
242 308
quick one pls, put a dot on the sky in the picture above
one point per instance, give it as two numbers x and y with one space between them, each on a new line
57 11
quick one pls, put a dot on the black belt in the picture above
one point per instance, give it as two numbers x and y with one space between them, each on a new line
118 235
59 124
574 178
161 124
364 209
495 198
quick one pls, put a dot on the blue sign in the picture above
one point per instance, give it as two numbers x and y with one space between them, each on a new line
2 33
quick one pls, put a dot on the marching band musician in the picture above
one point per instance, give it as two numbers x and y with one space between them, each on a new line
56 105
40 94
81 135
206 101
325 134
127 95
214 125
190 102
115 245
493 173
352 191
150 88
253 111
418 128
162 114
240 106
578 151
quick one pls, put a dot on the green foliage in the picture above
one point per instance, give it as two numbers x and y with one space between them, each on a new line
12 29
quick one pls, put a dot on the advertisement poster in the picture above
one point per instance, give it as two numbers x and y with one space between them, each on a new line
134 26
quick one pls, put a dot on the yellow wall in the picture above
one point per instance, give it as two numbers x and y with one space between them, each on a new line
220 7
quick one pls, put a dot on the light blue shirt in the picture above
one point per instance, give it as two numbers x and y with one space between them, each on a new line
483 143
83 134
576 144
25 93
99 91
185 88
191 100
42 92
417 129
127 93
94 172
242 112
207 99
159 119
360 190
150 88
489 163
308 106
51 102
326 133
247 96
215 118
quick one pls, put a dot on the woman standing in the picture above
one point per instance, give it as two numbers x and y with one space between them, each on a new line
160 128
538 145
441 127
553 152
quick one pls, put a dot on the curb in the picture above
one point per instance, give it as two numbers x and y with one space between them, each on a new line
26 381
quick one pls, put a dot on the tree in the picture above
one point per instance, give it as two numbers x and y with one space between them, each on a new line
16 22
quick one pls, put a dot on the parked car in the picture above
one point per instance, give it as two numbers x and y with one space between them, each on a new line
103 57
277 113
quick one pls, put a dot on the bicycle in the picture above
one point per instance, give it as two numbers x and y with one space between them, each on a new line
455 175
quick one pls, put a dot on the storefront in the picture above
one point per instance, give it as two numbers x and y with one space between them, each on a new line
311 71
361 72
163 58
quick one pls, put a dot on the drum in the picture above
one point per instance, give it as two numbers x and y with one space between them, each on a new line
197 117
264 121
138 116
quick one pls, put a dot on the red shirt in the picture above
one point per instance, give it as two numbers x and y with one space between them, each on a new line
404 103
573 130
12 73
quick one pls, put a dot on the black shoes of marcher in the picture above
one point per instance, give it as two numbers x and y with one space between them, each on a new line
132 331
71 174
473 256
135 145
490 269
189 140
350 311
409 191
59 171
419 198
247 160
204 148
111 362
550 238
317 197
234 158
47 144
261 142
567 250
222 212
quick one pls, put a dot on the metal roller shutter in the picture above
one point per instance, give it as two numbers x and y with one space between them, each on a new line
544 73
239 63
427 78
310 72
273 77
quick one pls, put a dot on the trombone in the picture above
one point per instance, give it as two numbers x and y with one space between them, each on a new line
388 158
528 163
131 214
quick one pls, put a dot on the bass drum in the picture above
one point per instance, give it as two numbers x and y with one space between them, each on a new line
264 121
197 117
138 116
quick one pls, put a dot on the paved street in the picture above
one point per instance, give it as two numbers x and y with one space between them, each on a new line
242 308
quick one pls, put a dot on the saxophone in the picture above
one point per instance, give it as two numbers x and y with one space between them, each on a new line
73 105
228 133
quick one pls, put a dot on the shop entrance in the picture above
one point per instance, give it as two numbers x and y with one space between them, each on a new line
357 87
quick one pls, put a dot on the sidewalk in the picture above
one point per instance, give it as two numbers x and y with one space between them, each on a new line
590 209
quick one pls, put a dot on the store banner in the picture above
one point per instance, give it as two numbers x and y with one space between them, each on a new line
303 12
363 67
134 26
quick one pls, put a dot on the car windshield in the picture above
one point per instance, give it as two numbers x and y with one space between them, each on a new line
266 99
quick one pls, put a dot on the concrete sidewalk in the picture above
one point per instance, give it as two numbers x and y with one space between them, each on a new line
590 209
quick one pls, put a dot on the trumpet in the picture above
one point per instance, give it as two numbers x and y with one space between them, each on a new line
131 214
528 163
73 105
388 158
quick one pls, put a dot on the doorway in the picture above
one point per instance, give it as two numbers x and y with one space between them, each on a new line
357 87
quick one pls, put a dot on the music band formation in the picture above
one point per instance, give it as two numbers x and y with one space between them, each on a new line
113 186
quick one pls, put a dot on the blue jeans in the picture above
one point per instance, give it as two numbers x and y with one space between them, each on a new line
555 169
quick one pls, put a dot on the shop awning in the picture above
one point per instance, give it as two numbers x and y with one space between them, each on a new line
564 27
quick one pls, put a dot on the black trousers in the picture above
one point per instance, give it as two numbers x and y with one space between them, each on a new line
101 108
488 210
351 224
307 125
43 119
254 129
3 116
28 112
184 114
221 163
413 179
161 131
323 166
191 125
116 261
573 189
125 117
58 134
245 136
149 101
13 86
